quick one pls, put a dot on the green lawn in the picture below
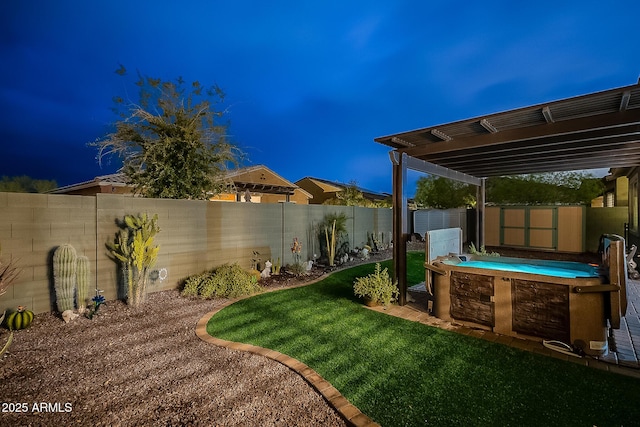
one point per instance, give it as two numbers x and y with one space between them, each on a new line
404 373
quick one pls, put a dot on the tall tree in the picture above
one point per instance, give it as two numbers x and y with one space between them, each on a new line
172 141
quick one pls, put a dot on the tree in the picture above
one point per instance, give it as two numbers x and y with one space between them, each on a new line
352 196
546 188
349 196
442 193
172 143
26 184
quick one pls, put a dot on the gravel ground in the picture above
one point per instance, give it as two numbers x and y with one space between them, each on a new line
146 367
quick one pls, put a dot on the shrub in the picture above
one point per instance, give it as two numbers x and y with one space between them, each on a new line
225 281
377 287
191 287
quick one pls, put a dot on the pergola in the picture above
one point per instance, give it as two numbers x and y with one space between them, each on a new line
598 130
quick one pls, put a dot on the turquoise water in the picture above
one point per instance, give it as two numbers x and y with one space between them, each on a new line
570 270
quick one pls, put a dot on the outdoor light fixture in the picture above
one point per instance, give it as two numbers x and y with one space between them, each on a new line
488 126
443 136
546 112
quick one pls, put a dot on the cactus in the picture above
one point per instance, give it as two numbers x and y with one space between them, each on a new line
82 283
134 249
331 244
64 276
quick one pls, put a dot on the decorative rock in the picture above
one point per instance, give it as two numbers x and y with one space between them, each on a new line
69 315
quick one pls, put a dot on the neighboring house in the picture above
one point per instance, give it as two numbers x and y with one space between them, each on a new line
323 190
264 186
115 183
625 192
616 191
257 183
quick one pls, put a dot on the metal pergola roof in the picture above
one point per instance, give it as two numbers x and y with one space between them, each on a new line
599 130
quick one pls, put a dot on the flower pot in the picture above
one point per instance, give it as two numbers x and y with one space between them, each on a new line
371 302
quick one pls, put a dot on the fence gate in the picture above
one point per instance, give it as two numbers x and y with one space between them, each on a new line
529 226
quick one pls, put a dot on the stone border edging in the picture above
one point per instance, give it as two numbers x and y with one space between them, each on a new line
352 415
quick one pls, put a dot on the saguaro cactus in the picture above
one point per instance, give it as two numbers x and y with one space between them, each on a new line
64 276
82 282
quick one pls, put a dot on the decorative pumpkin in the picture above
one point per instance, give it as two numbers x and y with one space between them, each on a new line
19 319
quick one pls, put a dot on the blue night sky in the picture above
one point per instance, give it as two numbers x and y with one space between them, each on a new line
309 84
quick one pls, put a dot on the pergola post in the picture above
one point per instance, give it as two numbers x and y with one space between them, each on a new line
400 223
481 192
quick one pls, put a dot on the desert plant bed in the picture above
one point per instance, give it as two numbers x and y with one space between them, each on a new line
145 366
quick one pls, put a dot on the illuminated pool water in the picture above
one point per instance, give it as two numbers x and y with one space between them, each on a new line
550 268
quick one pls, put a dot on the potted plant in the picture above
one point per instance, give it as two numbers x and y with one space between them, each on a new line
376 288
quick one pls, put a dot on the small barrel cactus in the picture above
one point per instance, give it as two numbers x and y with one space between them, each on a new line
64 276
82 282
19 319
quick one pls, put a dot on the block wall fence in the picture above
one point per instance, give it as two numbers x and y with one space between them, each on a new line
194 236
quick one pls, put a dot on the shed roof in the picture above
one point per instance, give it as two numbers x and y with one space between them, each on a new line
598 130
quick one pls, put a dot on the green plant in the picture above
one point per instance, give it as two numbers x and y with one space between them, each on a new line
82 282
297 269
19 319
333 238
134 249
276 267
191 286
377 287
225 281
482 251
64 276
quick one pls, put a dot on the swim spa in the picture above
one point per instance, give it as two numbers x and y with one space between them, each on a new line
533 299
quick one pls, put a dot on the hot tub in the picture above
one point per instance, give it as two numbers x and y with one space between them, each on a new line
534 299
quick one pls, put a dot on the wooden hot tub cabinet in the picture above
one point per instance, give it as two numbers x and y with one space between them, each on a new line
524 305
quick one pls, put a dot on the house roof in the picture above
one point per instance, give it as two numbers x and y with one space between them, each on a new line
286 187
598 130
114 179
334 186
120 180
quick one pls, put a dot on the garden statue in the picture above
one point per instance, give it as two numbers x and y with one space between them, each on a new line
267 270
308 266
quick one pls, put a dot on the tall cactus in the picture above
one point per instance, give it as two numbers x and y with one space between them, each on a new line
64 276
82 282
134 249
